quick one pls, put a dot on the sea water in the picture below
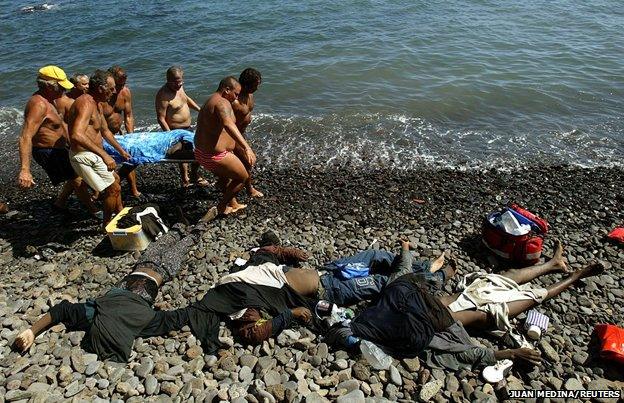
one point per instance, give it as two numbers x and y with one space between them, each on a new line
468 84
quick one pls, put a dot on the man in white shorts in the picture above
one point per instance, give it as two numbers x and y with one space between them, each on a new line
87 127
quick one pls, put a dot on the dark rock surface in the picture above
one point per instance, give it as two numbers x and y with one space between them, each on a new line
45 257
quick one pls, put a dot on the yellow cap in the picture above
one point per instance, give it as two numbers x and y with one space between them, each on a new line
57 74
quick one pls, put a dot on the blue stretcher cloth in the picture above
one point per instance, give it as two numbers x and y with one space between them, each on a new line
147 147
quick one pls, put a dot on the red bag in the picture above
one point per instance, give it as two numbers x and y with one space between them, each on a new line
617 235
611 339
524 249
539 222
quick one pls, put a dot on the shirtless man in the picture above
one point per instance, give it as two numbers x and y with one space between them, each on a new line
249 80
215 140
81 85
87 126
172 111
62 105
44 135
121 103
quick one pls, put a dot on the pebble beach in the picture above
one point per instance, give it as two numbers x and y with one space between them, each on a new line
331 212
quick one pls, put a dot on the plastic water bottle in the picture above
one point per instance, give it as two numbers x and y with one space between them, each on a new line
374 355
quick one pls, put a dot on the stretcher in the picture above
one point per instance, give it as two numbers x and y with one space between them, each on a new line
175 146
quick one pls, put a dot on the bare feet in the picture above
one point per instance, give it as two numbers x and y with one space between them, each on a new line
437 264
253 192
24 340
450 270
235 206
593 269
558 261
214 212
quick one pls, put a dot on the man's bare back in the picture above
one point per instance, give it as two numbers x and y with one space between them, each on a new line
211 136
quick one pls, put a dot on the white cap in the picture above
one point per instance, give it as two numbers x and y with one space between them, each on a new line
534 332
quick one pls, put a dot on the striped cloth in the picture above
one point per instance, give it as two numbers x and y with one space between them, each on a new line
535 318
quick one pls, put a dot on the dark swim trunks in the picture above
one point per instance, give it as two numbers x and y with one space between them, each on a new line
55 162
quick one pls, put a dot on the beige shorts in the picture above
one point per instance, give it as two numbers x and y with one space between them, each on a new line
92 169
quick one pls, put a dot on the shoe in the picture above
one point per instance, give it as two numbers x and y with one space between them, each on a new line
497 372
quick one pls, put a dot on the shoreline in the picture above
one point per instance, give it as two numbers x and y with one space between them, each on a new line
331 213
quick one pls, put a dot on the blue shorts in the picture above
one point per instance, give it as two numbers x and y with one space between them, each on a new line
55 162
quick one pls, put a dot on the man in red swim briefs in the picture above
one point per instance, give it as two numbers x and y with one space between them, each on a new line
215 139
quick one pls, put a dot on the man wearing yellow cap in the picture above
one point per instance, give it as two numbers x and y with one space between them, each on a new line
87 129
44 136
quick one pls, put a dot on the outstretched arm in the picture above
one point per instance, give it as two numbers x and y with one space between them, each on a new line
73 316
34 115
26 339
110 138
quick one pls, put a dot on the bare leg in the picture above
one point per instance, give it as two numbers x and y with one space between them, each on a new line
232 169
112 200
184 175
66 191
132 181
556 264
480 319
253 192
221 184
197 180
517 307
82 192
437 264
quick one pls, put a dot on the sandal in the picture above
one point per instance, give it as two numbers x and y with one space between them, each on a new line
497 372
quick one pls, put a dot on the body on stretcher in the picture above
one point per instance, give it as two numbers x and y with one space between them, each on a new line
154 147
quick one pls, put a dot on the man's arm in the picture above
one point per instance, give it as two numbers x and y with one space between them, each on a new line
128 115
191 104
110 138
286 255
34 115
73 316
240 107
254 330
161 111
229 123
78 134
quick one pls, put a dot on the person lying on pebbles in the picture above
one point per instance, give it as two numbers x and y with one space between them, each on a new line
416 320
114 320
335 286
254 325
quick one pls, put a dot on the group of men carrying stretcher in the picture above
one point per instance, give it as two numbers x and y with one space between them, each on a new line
70 126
